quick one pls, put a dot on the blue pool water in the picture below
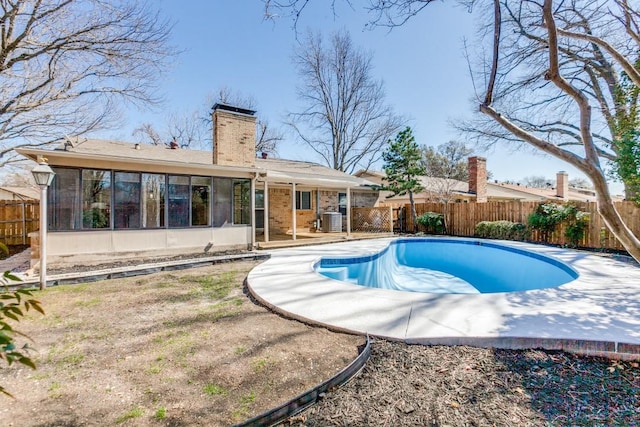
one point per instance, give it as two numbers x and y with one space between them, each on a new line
449 266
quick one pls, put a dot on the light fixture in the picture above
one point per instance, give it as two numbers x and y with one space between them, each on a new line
43 175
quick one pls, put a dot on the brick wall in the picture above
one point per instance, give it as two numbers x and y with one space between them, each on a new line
478 178
234 138
280 211
364 199
280 207
328 201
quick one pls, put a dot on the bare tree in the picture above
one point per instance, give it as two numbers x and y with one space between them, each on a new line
189 130
66 66
346 120
148 134
580 183
18 177
614 29
587 159
534 104
267 137
537 181
193 130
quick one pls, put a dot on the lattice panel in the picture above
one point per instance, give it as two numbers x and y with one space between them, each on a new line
372 220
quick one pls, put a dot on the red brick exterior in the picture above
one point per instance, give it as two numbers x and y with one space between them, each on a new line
478 178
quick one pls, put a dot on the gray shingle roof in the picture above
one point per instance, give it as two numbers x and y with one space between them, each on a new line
277 170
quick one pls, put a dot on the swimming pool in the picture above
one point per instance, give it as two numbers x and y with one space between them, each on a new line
460 266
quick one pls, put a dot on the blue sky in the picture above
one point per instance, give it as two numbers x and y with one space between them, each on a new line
228 43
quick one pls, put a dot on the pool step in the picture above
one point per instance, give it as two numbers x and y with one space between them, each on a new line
336 273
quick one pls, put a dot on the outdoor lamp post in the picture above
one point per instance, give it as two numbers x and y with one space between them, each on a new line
43 175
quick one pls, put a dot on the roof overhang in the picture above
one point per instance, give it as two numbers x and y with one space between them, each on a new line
280 177
62 158
100 161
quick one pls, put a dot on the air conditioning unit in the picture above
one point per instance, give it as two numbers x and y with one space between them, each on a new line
332 222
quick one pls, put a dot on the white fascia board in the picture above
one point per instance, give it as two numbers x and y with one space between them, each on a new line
74 159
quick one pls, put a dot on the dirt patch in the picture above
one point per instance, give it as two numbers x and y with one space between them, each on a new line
182 348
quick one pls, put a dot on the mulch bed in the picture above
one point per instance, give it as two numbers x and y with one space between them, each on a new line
406 385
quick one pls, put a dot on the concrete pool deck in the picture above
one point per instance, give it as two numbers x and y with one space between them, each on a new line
598 313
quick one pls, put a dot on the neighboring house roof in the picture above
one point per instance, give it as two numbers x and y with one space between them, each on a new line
574 194
273 170
460 188
21 193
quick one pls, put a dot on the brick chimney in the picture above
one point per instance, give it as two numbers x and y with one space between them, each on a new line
562 185
478 178
234 136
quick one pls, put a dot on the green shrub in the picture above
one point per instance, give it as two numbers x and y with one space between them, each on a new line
577 224
548 216
433 222
501 230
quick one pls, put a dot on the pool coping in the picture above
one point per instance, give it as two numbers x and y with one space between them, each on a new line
596 314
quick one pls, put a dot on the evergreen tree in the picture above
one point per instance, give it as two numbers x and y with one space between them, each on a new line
403 168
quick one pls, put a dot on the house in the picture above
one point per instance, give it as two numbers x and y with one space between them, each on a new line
116 199
19 193
479 189
561 191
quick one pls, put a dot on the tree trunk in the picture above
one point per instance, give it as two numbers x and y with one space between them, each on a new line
614 222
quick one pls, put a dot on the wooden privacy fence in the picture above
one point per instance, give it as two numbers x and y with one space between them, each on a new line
372 220
461 219
18 218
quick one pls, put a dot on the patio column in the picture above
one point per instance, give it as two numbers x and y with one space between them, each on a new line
293 210
252 205
349 212
317 208
266 211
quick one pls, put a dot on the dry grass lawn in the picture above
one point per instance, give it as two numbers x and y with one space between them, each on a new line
179 348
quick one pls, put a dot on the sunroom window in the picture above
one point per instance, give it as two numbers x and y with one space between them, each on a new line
200 200
153 200
126 200
96 198
179 198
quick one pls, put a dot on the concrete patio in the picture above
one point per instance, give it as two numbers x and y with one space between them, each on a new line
598 313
